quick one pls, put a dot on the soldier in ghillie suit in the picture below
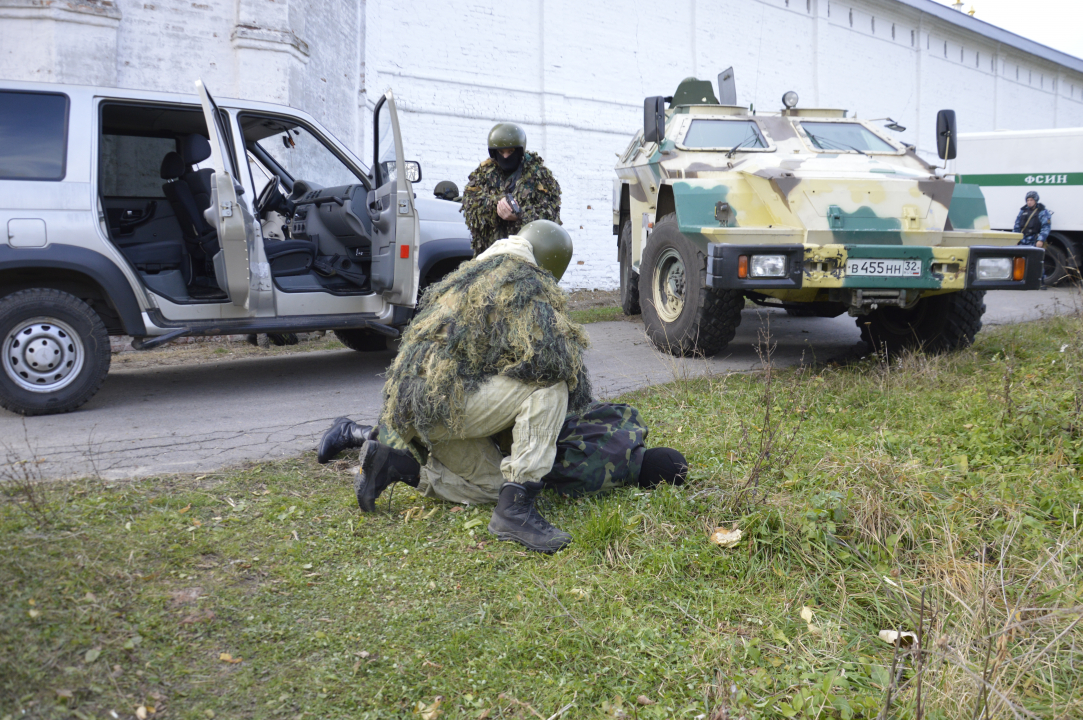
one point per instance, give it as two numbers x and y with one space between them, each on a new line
508 190
491 347
601 448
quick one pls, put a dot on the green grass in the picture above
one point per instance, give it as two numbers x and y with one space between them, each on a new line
865 489
593 315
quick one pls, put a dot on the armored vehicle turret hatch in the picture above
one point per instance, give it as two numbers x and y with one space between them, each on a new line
804 209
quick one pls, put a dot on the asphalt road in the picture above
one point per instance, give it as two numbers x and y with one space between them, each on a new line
203 417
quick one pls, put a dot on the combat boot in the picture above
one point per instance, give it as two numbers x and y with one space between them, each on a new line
382 465
516 518
343 434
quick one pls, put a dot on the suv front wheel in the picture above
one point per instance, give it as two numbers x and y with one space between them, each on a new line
55 352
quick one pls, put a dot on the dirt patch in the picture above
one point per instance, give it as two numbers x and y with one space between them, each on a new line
590 299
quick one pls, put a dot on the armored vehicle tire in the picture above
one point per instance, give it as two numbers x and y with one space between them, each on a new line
940 323
629 278
681 314
1072 264
55 352
362 340
1058 265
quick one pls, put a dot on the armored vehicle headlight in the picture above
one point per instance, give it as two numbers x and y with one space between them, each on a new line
768 266
789 99
993 268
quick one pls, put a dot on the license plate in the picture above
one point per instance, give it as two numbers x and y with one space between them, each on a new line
884 268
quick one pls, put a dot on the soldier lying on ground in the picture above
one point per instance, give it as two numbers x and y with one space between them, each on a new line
511 188
597 450
491 348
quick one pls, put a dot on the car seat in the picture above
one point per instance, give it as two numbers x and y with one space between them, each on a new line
198 234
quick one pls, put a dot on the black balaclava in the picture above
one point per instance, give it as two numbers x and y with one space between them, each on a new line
510 163
663 465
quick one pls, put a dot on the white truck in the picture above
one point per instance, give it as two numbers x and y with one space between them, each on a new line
1008 163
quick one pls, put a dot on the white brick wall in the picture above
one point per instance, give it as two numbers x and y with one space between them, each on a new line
574 73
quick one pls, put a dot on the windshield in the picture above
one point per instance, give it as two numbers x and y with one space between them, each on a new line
844 137
723 135
297 151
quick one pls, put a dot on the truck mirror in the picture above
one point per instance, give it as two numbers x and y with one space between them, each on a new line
946 136
413 171
727 88
654 119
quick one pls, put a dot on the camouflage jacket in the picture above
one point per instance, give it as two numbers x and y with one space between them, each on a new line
496 315
1034 223
536 191
597 450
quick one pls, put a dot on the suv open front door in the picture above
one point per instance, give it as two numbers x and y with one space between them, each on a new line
395 226
236 235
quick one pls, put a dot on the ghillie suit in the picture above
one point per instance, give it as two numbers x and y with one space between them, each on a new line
535 189
497 315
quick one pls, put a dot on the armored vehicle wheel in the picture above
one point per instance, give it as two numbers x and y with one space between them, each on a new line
362 340
1070 267
682 315
940 323
55 352
629 278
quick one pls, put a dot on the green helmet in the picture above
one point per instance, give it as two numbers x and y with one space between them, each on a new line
506 135
551 243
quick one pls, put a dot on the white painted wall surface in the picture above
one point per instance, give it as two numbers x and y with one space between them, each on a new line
573 73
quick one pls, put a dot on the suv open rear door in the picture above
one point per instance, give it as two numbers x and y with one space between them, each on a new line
395 226
236 234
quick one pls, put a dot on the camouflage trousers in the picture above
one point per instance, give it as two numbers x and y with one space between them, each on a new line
597 450
468 467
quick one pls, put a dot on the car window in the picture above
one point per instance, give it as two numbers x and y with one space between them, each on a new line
131 164
723 135
844 137
34 128
302 154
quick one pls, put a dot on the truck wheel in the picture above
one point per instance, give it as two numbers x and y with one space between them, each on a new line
362 340
1057 267
55 352
629 278
1071 264
681 314
941 323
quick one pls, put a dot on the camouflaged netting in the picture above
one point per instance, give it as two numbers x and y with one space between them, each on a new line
536 191
498 316
597 450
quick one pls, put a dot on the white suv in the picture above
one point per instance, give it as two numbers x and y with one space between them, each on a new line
159 215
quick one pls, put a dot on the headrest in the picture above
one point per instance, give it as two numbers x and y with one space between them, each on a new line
195 149
172 166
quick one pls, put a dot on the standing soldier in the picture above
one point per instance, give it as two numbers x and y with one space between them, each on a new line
1033 221
508 190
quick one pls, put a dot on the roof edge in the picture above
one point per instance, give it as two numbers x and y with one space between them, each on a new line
998 34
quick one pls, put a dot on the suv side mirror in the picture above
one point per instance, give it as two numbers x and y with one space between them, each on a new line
946 143
654 119
413 170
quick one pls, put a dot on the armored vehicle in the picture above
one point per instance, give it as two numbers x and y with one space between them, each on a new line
803 209
159 215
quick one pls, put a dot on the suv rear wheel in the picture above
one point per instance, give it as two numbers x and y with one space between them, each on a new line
362 340
55 352
681 314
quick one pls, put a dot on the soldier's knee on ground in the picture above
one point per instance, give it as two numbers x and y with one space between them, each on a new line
663 465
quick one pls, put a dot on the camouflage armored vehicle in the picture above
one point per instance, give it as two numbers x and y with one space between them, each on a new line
806 210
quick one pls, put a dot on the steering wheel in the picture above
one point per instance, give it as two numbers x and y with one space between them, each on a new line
270 196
